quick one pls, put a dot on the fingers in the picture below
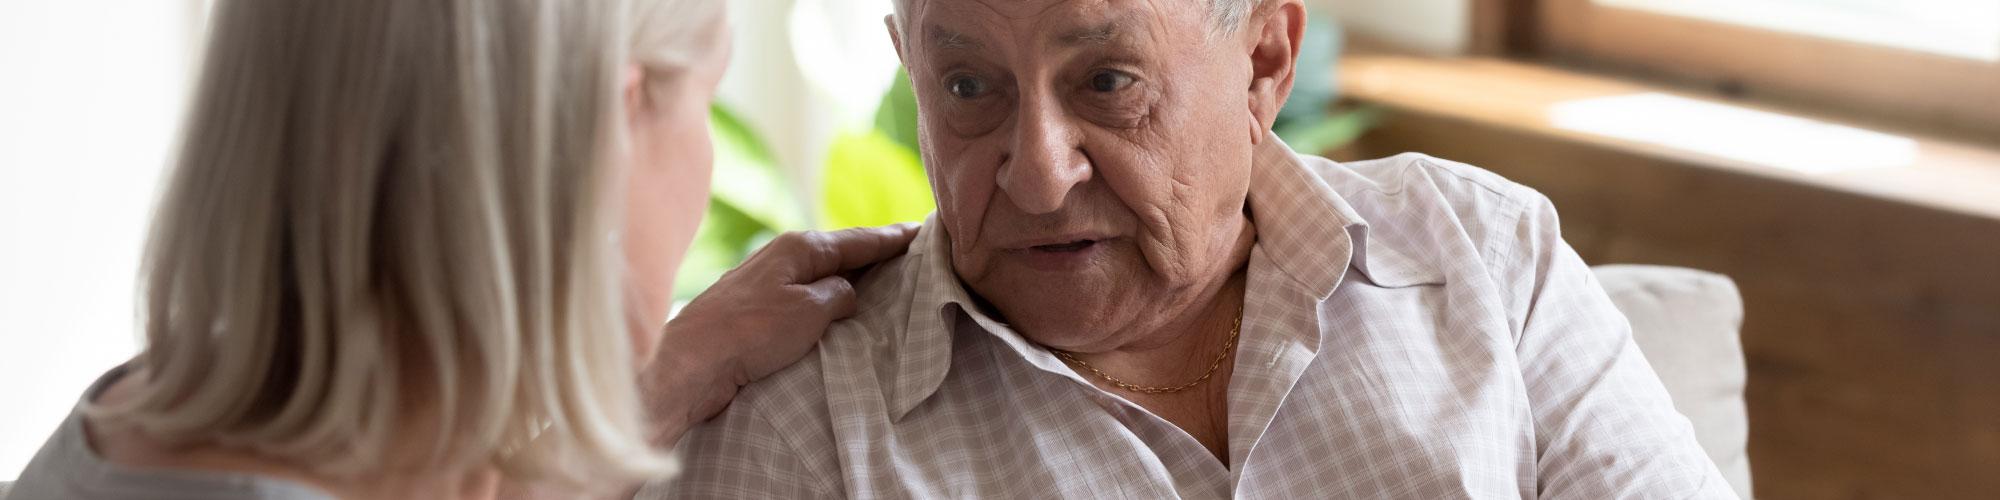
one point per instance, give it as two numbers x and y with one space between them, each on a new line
817 254
835 296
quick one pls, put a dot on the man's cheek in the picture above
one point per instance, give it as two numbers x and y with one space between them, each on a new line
967 191
1165 231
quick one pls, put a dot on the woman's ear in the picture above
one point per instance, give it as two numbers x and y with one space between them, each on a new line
1273 37
632 85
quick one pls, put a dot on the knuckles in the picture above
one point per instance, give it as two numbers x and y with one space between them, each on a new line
803 243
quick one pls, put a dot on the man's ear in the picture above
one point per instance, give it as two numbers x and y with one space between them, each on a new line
895 37
1274 37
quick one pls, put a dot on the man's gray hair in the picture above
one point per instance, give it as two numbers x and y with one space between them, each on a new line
1225 16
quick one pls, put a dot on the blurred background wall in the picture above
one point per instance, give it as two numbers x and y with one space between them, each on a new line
89 96
1439 27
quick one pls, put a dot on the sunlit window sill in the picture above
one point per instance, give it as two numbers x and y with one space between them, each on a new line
1683 128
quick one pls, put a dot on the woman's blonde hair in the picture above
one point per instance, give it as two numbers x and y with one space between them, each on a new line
390 229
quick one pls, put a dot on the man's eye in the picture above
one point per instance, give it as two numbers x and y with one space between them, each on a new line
1110 81
965 87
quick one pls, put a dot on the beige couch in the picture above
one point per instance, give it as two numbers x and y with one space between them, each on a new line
1686 323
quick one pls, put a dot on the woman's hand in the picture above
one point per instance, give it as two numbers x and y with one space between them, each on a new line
759 318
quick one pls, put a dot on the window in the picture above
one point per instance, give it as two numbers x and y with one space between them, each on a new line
1959 28
1928 65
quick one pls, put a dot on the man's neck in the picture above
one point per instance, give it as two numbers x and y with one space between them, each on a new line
1181 350
1196 366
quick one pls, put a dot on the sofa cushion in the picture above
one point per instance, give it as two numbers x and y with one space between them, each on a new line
1686 323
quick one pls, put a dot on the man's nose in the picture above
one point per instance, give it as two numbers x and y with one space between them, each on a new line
1046 159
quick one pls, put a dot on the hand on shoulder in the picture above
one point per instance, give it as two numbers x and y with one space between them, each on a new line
757 319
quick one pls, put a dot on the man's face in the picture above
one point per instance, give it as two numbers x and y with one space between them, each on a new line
1090 157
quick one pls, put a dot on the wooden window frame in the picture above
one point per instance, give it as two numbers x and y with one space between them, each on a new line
1898 88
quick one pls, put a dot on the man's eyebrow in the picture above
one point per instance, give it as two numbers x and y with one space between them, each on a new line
945 38
1101 34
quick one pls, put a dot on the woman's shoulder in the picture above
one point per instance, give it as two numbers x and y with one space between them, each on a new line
85 461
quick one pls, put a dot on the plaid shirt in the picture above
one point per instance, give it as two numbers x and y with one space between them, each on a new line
1413 328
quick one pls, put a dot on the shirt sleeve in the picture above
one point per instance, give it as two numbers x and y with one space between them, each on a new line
1604 425
740 454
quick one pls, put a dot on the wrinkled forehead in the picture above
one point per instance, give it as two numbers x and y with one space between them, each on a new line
1010 9
959 25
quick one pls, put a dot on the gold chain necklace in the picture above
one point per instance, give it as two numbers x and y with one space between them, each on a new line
1234 330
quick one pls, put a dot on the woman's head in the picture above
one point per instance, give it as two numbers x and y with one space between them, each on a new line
680 51
392 235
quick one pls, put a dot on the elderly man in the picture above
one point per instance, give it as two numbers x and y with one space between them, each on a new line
1131 288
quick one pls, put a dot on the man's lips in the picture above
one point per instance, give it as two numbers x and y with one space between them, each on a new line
1064 247
1062 243
1065 254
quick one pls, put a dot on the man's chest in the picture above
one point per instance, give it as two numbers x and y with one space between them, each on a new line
1373 392
1369 422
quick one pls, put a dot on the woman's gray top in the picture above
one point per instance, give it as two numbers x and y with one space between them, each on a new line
68 468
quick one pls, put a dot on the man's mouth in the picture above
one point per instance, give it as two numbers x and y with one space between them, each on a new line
1074 246
1064 254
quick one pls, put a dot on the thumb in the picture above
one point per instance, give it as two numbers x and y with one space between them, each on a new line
853 248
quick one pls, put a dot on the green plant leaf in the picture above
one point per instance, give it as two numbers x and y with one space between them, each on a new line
897 115
1332 131
725 238
871 180
746 178
749 203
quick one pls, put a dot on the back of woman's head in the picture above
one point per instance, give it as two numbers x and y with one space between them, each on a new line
388 235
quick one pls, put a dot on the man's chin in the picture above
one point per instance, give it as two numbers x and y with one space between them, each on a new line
1058 316
1064 301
